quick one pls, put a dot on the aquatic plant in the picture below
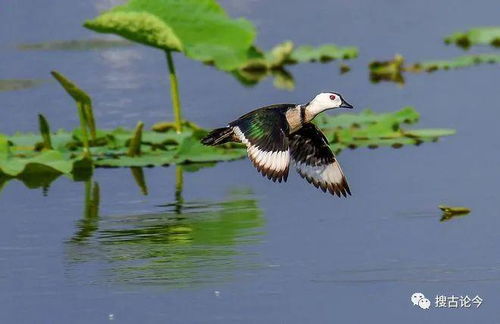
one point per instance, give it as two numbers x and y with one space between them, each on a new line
450 212
199 29
187 243
260 64
203 31
475 36
22 153
392 70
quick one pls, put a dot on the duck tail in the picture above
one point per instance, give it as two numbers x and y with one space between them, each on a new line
218 136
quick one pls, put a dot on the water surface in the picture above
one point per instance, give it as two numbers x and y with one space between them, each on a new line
231 246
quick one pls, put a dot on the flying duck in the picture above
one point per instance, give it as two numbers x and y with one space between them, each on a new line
275 134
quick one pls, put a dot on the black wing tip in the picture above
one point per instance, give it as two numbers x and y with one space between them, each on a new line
341 190
274 175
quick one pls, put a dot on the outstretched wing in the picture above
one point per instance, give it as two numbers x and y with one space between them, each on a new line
316 162
264 132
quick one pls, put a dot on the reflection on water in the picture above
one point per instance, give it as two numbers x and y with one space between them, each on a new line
187 243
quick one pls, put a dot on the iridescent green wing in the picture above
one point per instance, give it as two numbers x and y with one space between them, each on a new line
265 133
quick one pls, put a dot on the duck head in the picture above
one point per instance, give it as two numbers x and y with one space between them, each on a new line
325 101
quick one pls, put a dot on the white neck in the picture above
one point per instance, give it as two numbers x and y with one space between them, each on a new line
313 109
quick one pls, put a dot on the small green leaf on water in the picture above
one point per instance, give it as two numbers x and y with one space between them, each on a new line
452 211
260 64
454 63
438 132
476 36
279 54
390 70
323 53
4 147
344 68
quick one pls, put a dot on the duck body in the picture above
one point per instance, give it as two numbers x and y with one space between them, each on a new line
278 134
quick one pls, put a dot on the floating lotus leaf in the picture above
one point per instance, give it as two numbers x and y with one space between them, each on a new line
19 153
323 53
450 212
392 70
476 36
198 28
455 63
261 65
391 120
45 162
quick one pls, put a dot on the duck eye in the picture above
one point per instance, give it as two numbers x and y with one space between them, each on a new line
332 97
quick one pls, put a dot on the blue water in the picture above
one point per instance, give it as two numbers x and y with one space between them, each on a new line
241 249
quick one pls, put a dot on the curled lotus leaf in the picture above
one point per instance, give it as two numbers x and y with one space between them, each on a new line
199 28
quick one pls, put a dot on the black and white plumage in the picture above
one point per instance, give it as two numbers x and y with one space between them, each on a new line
279 134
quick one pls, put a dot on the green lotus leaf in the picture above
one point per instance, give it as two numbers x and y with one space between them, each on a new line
432 133
476 36
392 70
45 162
198 28
279 55
406 115
322 53
147 159
19 153
455 63
191 150
4 148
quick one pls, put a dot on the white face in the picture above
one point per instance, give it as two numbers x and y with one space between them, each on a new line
324 101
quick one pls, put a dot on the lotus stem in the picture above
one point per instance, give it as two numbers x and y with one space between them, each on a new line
83 126
45 131
174 92
134 148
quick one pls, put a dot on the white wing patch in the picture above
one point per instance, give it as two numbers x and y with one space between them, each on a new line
327 177
273 164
